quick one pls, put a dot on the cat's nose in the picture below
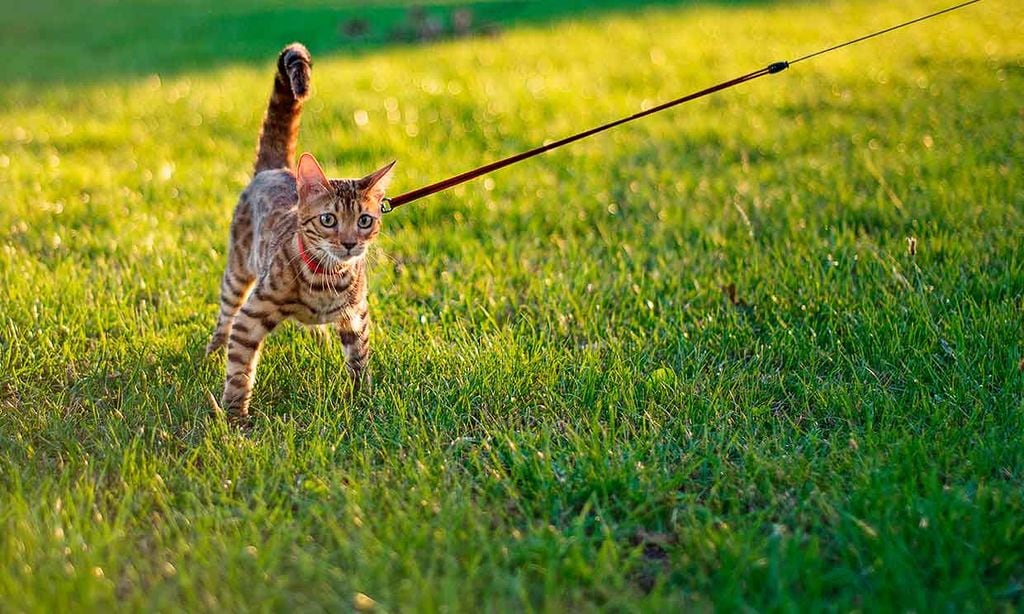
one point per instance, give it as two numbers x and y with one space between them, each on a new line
349 246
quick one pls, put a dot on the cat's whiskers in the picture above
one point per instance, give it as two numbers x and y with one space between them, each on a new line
329 262
291 261
330 287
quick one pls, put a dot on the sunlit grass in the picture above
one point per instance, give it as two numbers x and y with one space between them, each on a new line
569 411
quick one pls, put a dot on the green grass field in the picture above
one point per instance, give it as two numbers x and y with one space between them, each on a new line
572 410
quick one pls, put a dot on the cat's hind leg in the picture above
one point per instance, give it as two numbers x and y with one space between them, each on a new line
238 277
234 288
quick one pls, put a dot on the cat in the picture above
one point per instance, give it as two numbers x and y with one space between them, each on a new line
297 246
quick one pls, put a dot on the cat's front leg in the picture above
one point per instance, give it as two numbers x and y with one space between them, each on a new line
354 333
254 321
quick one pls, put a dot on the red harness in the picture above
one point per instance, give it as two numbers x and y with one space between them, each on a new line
315 267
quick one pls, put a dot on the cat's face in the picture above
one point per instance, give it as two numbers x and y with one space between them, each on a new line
338 218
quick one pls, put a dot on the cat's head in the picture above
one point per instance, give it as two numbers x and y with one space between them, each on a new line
338 218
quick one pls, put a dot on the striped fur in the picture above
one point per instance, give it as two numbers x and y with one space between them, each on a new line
281 123
281 215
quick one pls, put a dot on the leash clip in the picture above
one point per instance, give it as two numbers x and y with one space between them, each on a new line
385 205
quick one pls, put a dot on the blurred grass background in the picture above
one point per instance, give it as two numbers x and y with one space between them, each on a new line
104 39
690 363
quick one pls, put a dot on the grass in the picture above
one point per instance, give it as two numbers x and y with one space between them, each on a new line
571 409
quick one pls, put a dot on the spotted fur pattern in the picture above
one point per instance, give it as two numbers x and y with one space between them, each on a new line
297 246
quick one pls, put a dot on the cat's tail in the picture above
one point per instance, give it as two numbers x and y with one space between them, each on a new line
281 123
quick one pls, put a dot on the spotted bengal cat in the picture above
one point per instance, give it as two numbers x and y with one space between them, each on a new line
297 245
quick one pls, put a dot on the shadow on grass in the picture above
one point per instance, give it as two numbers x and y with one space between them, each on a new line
56 41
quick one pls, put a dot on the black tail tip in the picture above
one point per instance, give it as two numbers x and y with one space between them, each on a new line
295 64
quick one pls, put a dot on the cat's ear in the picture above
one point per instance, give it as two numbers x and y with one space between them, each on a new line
377 182
310 176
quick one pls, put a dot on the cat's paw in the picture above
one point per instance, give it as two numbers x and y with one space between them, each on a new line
360 384
232 417
320 334
242 422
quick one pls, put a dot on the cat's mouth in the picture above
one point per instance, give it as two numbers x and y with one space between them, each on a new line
339 257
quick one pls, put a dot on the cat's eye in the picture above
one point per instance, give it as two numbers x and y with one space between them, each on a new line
328 220
365 221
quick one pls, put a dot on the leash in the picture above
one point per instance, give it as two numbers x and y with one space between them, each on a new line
390 204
